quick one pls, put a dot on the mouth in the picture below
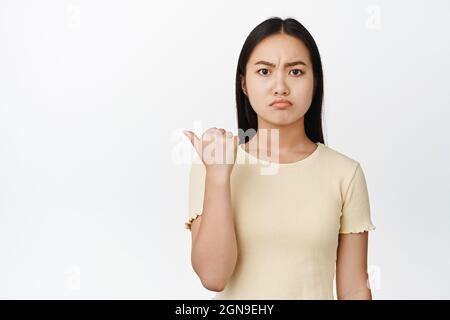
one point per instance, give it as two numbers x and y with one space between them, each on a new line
281 105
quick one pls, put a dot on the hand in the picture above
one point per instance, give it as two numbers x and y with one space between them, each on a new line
217 148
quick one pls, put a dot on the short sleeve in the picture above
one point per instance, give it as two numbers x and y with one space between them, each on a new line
355 214
196 191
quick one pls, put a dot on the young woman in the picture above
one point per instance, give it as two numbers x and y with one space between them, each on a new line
284 233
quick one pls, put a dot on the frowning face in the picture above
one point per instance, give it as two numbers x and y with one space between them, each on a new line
279 67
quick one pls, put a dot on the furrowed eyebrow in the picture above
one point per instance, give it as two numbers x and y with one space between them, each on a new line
288 64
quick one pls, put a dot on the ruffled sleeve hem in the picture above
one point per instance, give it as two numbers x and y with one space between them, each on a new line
358 230
187 225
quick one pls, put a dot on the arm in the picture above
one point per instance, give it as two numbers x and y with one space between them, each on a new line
351 267
214 245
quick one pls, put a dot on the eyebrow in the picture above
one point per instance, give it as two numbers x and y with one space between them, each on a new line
287 64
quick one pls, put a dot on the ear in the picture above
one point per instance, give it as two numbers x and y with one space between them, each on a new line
243 86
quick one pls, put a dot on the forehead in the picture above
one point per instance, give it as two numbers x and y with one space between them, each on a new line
280 48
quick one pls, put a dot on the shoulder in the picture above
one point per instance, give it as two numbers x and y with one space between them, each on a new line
338 162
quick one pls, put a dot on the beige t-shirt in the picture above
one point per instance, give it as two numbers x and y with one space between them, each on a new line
288 217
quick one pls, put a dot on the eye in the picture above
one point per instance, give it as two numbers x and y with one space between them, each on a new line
299 73
263 69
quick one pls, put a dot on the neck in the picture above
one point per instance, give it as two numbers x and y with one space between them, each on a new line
289 136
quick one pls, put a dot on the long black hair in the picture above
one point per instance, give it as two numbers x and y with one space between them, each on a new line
246 116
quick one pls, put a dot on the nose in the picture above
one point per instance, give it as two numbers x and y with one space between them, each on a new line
280 87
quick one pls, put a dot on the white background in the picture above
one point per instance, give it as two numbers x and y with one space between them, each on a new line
93 95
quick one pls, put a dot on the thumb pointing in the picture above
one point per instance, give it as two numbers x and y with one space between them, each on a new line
194 140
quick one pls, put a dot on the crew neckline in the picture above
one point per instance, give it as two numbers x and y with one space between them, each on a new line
310 157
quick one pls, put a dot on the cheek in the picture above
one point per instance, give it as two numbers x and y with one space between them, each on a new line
256 85
258 91
302 92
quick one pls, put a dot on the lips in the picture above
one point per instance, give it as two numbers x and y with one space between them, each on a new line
281 103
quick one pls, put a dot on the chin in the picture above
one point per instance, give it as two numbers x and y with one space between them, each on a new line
281 121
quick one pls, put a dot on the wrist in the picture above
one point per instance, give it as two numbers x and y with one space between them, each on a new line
218 177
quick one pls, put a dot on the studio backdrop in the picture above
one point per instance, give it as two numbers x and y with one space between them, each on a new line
94 168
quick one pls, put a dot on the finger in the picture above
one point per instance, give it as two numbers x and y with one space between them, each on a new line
195 141
211 131
230 135
236 140
215 130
